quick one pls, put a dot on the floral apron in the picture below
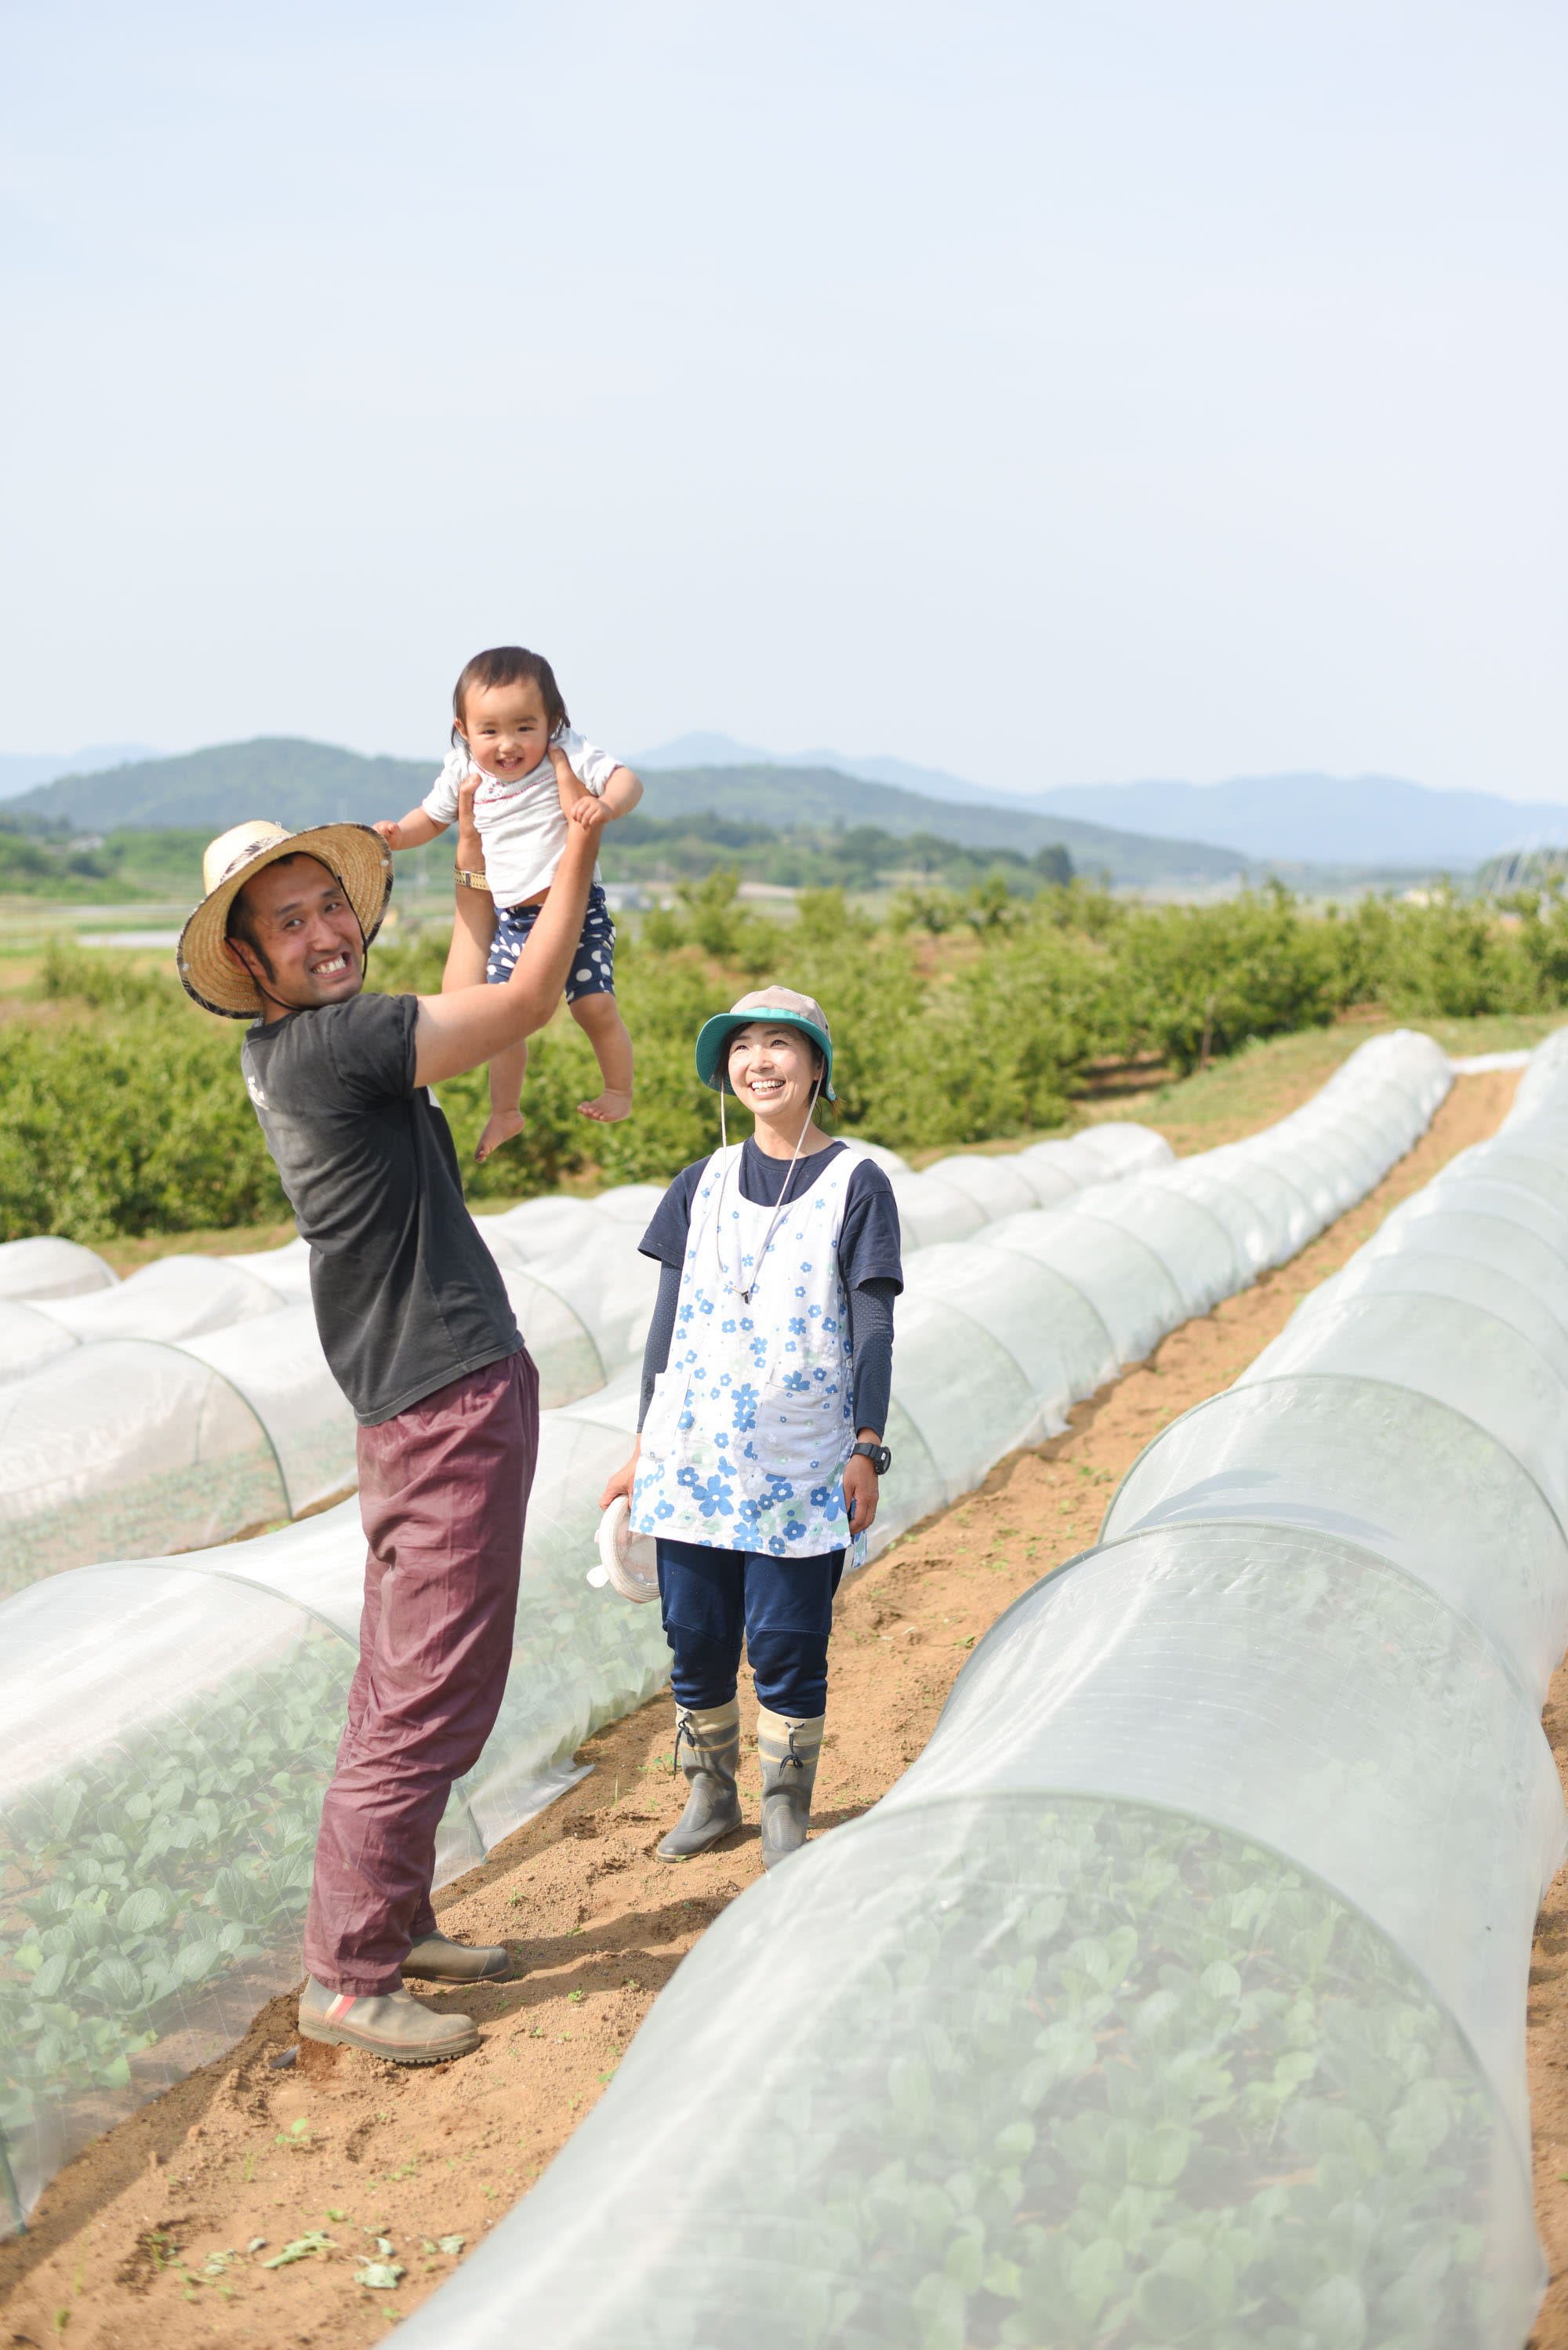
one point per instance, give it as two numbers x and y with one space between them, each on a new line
745 1440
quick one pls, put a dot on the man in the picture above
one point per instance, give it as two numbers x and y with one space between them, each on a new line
416 1324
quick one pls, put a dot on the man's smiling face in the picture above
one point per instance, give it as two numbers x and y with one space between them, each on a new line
298 937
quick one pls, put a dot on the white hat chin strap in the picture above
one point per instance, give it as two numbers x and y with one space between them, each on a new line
783 1191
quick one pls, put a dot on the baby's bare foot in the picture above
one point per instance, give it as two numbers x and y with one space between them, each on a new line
499 1127
608 1106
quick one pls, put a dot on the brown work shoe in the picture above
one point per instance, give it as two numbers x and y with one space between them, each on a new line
436 1960
387 2024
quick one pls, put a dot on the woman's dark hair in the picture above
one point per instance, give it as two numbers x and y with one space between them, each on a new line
509 665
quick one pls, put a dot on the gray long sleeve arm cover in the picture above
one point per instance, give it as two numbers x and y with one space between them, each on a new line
870 1339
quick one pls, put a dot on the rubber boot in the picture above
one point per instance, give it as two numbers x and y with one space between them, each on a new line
384 2023
788 1751
711 1740
435 1959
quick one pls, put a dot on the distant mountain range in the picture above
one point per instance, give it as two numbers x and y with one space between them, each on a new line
723 751
1362 819
298 783
1292 820
20 771
1312 826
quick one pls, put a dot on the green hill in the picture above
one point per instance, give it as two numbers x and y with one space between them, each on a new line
297 783
293 782
787 797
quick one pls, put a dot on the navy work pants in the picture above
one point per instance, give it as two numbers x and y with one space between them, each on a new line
711 1600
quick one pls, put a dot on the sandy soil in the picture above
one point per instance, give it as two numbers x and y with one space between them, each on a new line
158 2235
1548 2045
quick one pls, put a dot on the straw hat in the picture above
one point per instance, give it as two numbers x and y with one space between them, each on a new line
782 1006
358 857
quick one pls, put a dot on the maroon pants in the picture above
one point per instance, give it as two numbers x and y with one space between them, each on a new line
443 1487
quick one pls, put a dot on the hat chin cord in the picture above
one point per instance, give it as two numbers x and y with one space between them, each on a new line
783 1191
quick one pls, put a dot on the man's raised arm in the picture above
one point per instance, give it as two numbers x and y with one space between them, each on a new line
470 1026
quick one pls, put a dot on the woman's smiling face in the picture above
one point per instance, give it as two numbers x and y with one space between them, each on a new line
774 1071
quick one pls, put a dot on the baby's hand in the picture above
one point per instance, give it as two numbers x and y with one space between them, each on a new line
392 834
590 812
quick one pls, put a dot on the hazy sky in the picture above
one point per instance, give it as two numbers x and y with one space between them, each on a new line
1056 392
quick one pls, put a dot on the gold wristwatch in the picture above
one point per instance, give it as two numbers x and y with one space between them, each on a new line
467 880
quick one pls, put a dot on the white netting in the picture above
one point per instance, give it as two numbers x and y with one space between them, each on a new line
581 1289
997 1187
28 1339
286 1271
127 1447
994 1343
277 1365
175 1297
1177 1992
48 1267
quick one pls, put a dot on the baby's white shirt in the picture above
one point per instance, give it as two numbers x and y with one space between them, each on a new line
521 824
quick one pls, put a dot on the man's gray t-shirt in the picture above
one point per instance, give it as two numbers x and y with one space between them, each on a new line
407 1297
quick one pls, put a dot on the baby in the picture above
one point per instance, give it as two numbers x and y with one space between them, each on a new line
509 718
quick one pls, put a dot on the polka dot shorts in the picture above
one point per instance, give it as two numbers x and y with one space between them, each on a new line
593 966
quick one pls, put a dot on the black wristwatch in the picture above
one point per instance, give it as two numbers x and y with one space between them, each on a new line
879 1457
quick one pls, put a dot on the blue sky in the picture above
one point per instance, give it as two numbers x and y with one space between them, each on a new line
1050 392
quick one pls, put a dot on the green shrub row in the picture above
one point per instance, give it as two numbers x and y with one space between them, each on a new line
957 1019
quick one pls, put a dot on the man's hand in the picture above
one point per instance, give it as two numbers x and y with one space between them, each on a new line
572 793
470 847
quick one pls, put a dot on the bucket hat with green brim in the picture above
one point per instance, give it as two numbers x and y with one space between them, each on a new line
781 1007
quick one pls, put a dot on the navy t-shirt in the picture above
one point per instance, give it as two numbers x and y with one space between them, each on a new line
868 1238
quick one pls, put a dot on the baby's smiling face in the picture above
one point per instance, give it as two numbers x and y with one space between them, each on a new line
506 729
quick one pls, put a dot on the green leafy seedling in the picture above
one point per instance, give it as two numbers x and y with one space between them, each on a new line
380 2276
301 2249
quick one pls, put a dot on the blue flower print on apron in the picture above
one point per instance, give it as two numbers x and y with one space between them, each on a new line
745 1440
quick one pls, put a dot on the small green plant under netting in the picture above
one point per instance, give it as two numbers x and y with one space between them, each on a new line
1186 2094
141 1888
1085 2076
164 1509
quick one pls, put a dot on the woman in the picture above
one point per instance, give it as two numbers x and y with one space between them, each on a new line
765 1394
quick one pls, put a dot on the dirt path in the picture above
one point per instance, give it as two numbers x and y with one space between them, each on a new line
142 2241
1548 2044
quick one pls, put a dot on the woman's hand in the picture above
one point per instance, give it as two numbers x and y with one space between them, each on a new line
861 1488
618 1487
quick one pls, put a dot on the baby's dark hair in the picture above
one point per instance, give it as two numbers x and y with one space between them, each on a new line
509 665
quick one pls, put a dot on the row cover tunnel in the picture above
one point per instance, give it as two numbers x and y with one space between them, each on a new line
1177 1992
192 1402
169 1724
